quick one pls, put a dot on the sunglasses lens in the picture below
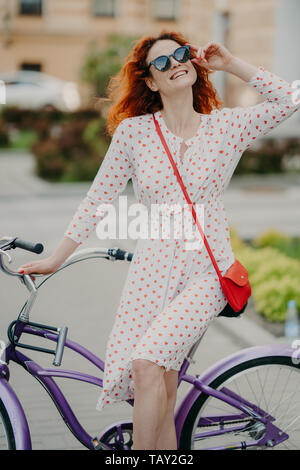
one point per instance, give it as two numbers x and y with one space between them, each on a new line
182 54
162 63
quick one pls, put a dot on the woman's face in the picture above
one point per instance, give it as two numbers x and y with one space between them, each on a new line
167 82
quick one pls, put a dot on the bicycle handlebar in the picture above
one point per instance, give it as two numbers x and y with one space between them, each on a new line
16 242
29 246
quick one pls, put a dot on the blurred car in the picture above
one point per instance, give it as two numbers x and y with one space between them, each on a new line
33 90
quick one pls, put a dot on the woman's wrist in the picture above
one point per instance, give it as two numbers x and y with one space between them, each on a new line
55 261
66 247
241 69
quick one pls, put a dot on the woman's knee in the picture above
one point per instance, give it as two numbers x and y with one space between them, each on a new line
146 373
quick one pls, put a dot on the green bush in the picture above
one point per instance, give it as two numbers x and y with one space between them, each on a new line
74 154
28 124
271 237
4 136
271 297
23 139
269 156
274 278
102 63
290 246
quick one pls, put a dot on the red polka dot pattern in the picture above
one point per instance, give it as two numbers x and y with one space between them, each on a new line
171 294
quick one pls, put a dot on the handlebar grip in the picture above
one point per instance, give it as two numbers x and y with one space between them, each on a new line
120 254
29 246
60 346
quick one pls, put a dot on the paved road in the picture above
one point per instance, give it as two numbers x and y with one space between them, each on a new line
86 296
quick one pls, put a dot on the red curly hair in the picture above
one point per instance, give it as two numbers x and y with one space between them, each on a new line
132 97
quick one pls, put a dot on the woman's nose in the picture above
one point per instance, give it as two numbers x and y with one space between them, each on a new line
174 62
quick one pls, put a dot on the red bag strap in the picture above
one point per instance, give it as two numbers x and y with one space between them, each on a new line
191 207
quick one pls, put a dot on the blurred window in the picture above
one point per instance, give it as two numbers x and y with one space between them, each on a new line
104 8
30 66
165 9
31 7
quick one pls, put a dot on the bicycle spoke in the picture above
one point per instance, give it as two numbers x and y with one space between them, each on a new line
285 445
264 386
284 413
280 399
250 386
294 420
272 388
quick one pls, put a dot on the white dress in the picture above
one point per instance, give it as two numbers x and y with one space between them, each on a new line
171 294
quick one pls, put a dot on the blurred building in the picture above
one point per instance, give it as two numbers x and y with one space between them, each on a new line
52 35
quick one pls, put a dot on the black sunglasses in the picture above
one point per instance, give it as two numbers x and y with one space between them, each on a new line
162 63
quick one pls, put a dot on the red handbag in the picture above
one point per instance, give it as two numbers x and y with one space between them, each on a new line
235 283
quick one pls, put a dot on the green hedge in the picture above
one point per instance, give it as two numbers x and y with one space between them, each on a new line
74 153
56 159
270 155
285 244
66 146
274 278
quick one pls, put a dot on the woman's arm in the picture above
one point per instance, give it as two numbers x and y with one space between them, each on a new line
110 180
241 69
248 123
243 125
53 262
63 251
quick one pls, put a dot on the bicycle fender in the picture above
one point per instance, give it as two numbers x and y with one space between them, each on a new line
16 415
221 367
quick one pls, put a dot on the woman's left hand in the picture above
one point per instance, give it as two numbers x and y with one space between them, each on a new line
212 56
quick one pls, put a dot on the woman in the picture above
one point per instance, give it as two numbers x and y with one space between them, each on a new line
171 294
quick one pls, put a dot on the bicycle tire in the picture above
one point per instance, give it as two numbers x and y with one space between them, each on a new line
112 436
194 413
6 423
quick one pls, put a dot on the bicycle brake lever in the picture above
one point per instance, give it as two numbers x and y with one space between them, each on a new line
5 253
60 346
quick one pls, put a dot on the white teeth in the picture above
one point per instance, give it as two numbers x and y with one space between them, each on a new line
178 74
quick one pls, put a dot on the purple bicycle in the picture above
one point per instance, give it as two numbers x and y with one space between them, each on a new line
248 400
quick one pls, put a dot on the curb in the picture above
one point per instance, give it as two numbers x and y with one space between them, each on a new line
246 333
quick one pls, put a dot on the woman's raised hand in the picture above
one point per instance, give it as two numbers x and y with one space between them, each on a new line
212 56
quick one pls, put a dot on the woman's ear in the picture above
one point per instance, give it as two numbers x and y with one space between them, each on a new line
151 84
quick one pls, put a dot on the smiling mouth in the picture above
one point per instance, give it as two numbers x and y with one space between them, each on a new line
179 74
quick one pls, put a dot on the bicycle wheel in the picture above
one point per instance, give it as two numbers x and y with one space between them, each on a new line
270 383
7 439
119 436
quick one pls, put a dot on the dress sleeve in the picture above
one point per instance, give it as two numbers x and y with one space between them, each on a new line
109 182
245 124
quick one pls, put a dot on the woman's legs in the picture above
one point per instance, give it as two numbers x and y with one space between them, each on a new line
165 343
154 403
167 439
150 403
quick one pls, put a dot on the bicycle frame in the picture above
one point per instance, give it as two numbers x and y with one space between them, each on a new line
200 385
203 384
